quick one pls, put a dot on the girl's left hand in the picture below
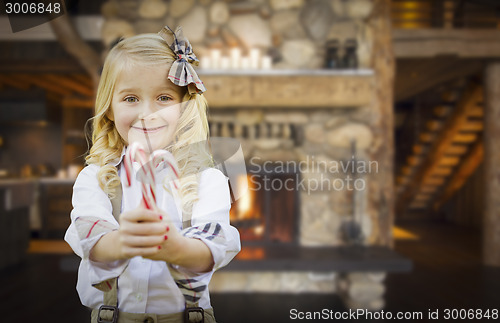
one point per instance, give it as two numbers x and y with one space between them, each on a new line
170 249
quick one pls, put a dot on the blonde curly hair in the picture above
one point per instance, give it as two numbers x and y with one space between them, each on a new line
192 132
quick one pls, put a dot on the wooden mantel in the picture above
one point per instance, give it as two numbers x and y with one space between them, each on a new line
279 89
289 89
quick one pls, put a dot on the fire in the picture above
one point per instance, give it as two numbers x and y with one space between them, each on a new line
244 208
246 212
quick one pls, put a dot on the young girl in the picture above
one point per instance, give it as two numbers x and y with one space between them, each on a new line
150 265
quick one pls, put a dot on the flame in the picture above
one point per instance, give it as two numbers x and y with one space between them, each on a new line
245 202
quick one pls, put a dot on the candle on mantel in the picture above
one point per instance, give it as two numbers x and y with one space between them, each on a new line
215 58
206 62
235 55
254 58
266 62
245 63
225 63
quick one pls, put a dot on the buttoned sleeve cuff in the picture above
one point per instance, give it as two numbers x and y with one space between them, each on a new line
222 240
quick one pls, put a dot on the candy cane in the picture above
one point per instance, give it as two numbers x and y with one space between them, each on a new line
146 175
168 160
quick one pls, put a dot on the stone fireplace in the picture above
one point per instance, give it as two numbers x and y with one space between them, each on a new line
310 173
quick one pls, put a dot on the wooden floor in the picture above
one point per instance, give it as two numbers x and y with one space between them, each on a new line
447 274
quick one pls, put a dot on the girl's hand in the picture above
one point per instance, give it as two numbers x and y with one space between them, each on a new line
171 244
141 233
191 254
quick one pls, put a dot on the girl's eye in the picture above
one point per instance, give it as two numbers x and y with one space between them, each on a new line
130 99
164 98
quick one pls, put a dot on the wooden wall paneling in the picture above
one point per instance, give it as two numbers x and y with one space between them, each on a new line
491 225
384 66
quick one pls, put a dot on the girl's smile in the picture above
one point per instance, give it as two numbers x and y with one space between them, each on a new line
149 130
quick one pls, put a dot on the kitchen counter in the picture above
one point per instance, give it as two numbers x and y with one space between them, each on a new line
17 193
56 180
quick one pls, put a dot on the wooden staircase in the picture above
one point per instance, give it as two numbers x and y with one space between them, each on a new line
446 153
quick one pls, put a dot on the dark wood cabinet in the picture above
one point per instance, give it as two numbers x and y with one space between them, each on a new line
55 207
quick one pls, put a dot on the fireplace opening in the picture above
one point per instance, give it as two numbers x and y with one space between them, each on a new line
268 212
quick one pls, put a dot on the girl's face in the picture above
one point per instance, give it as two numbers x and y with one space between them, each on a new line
146 105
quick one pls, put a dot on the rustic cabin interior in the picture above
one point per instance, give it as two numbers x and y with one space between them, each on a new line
368 130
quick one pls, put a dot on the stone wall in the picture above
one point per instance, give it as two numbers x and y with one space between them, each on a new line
292 32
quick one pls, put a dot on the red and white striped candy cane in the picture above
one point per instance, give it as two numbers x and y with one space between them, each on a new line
168 160
146 174
136 153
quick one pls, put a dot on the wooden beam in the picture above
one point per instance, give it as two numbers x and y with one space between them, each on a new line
78 102
443 142
69 37
466 169
9 80
82 78
68 83
413 78
457 42
44 84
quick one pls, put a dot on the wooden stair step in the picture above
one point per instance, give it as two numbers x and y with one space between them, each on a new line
433 180
456 149
442 171
465 138
429 189
449 161
473 125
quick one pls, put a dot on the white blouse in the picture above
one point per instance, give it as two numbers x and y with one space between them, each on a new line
144 285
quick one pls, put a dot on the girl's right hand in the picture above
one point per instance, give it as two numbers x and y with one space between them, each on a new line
141 233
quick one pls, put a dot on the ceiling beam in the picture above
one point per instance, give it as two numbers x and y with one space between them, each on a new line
72 102
416 75
40 82
69 84
8 80
466 43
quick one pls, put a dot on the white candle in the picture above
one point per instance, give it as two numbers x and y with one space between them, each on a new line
266 62
225 63
215 58
206 62
254 58
235 58
245 63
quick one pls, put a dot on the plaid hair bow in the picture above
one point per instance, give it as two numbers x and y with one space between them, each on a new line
182 72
